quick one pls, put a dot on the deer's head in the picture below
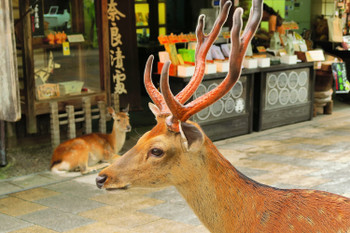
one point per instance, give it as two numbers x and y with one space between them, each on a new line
175 146
121 119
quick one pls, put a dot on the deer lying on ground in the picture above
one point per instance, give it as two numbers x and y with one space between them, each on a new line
177 152
85 152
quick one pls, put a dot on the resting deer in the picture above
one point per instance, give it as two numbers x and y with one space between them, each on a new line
177 152
85 152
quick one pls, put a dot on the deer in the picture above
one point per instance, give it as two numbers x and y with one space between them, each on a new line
177 152
85 152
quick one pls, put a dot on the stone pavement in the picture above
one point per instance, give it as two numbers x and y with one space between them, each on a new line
313 154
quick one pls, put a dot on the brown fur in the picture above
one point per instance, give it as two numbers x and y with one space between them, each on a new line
224 199
82 152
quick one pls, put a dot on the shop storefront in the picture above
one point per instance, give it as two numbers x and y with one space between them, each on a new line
71 50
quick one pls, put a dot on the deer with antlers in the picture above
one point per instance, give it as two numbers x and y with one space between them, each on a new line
177 152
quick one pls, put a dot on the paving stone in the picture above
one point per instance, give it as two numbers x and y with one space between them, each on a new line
341 186
88 179
61 177
6 187
69 203
34 194
8 223
174 208
251 172
295 161
123 219
127 201
100 227
14 206
179 213
34 229
31 181
56 220
168 226
74 188
169 195
334 148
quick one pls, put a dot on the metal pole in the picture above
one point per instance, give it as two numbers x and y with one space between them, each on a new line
3 158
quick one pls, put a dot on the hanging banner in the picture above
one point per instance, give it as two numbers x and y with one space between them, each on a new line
116 41
124 52
10 109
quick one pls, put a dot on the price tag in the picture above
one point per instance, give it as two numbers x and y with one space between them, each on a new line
66 48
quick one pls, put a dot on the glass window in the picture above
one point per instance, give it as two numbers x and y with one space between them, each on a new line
66 62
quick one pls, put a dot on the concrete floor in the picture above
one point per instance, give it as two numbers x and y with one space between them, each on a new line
313 154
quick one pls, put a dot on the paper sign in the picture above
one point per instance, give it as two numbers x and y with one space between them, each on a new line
76 38
314 55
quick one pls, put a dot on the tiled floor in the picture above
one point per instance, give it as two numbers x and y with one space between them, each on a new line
314 154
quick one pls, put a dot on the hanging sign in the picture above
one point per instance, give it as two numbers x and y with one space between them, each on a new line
342 84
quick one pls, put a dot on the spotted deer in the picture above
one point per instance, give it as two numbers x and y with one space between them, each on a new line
177 152
85 152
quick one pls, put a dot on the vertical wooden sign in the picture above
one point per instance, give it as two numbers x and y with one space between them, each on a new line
125 76
10 109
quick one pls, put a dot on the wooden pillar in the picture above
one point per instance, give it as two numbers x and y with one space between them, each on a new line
116 104
102 121
54 125
87 114
28 68
3 158
71 133
153 20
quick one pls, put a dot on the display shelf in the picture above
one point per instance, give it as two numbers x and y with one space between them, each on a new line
50 64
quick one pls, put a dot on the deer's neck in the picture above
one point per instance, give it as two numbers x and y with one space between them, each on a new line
117 139
221 196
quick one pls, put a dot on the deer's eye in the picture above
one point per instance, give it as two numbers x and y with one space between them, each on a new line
156 152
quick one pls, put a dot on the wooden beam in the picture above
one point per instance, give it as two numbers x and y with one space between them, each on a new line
28 69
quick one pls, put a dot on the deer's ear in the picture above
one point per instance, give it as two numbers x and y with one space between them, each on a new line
155 110
126 110
111 111
192 137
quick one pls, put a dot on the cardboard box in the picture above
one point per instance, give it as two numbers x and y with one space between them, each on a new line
222 66
264 62
250 63
210 68
289 59
185 71
163 56
70 87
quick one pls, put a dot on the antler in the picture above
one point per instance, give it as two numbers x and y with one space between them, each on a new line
204 43
239 46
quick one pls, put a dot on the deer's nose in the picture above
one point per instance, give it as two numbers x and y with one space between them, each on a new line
128 128
100 180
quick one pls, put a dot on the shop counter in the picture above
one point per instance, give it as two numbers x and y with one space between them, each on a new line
230 116
262 98
283 94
